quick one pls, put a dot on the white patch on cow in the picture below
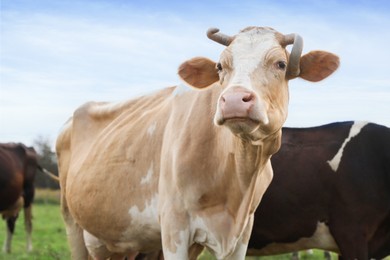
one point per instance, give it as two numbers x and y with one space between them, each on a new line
200 231
321 239
203 235
29 242
239 252
181 247
152 128
95 247
146 179
354 131
181 89
7 241
91 241
148 215
248 51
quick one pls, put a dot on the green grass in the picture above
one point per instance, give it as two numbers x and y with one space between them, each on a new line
317 255
48 236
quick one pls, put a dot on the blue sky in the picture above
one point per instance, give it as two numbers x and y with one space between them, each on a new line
56 55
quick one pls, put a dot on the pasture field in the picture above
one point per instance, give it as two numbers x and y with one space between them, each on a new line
49 237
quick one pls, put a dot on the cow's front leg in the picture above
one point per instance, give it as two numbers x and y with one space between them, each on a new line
242 244
175 236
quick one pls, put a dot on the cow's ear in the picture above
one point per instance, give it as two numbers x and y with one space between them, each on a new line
317 65
199 72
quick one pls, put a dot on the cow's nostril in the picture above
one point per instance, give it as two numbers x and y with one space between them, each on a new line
247 98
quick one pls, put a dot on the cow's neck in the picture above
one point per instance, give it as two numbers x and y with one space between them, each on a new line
246 174
249 163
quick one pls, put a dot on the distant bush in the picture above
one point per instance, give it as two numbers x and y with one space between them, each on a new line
47 196
48 160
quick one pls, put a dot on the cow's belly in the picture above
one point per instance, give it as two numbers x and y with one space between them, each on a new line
122 215
321 239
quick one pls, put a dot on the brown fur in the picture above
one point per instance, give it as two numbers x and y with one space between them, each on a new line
192 72
317 65
18 165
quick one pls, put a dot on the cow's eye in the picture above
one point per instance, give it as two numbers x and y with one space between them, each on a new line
219 67
281 65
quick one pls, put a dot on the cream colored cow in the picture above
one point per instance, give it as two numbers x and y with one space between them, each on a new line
183 169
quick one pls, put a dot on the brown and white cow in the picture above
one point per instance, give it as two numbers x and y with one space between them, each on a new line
18 165
183 169
331 190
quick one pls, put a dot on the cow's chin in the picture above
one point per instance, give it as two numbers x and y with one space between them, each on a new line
244 127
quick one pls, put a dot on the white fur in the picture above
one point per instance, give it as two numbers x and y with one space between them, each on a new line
354 131
152 128
148 215
202 235
7 242
147 178
248 52
181 247
321 239
239 251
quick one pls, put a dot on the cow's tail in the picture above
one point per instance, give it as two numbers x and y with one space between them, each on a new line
48 173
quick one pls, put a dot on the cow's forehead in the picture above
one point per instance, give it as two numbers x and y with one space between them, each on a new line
248 51
256 35
251 45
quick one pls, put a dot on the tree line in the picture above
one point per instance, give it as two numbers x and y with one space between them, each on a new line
48 160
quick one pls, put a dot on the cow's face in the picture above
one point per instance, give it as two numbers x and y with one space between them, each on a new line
254 71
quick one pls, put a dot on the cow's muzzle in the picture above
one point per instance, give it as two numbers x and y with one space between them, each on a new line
240 107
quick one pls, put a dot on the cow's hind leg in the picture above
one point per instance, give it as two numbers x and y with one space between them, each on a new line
28 227
11 215
74 234
28 196
10 231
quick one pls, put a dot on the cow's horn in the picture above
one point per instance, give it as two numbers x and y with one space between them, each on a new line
293 63
215 35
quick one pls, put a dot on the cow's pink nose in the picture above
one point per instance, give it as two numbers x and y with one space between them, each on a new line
237 104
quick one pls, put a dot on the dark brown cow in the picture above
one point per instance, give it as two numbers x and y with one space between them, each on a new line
331 190
18 165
